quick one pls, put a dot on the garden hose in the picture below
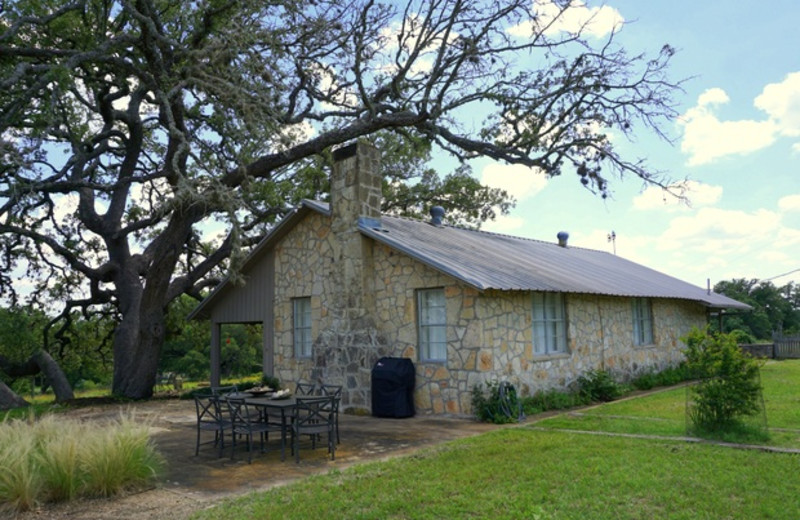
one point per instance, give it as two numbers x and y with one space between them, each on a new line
510 405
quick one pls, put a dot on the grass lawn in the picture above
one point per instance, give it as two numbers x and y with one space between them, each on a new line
663 413
521 472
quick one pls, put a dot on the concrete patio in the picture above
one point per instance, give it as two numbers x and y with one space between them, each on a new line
194 482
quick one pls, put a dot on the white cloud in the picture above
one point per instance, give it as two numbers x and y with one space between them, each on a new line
698 194
719 232
789 203
520 181
707 138
576 19
781 101
504 224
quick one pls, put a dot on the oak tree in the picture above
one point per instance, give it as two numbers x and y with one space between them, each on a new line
128 127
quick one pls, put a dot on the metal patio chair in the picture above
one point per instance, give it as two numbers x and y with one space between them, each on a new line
302 389
222 391
245 422
336 391
211 419
312 417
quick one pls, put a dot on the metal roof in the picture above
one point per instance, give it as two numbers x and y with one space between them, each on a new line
494 261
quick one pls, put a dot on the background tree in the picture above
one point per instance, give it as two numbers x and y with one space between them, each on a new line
130 127
775 309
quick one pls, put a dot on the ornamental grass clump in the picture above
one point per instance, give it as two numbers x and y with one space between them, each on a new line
54 459
727 398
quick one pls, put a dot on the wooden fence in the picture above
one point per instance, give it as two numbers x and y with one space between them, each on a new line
786 347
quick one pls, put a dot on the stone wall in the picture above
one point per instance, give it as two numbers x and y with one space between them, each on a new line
489 333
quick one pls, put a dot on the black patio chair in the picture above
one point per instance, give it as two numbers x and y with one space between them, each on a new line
336 391
211 419
246 422
222 391
305 389
312 417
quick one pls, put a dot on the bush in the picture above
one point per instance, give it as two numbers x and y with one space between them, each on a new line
667 377
499 404
729 387
742 337
543 401
599 385
55 459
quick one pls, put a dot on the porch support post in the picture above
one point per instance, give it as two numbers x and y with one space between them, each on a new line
215 354
266 350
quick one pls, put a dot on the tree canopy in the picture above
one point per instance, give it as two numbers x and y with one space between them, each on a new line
775 309
129 128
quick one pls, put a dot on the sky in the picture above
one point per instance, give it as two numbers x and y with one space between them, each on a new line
736 142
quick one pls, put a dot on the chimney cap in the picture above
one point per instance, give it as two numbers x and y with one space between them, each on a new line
562 236
345 152
437 214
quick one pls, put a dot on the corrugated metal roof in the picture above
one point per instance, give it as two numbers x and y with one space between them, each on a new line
493 261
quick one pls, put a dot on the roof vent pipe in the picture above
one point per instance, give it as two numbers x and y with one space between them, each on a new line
437 214
563 236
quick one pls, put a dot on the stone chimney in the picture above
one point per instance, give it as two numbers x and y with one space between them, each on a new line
355 199
356 186
349 342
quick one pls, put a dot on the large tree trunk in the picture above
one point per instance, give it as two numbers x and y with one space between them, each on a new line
143 302
9 399
137 348
58 380
41 362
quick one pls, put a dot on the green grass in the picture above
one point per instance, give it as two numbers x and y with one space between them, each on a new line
529 473
523 473
663 413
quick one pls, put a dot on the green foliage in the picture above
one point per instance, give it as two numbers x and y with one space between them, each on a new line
552 399
742 337
774 308
599 385
52 459
729 387
667 377
498 404
271 382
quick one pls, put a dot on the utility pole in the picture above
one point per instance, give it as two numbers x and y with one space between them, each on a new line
612 237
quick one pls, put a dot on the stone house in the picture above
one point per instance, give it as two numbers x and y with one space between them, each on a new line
335 287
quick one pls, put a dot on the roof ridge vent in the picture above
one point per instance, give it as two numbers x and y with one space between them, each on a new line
437 214
563 236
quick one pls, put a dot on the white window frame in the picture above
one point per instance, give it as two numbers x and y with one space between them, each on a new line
549 323
642 322
301 327
432 325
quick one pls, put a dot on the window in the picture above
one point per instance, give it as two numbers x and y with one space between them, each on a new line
642 321
432 320
302 327
549 324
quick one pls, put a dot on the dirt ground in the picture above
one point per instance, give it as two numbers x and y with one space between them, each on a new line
194 482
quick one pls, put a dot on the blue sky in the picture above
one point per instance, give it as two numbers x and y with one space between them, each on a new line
737 141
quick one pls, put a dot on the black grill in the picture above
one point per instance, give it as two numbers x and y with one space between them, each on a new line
393 387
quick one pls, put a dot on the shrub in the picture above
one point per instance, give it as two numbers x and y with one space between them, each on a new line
729 387
742 337
667 377
56 459
599 385
543 401
499 404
